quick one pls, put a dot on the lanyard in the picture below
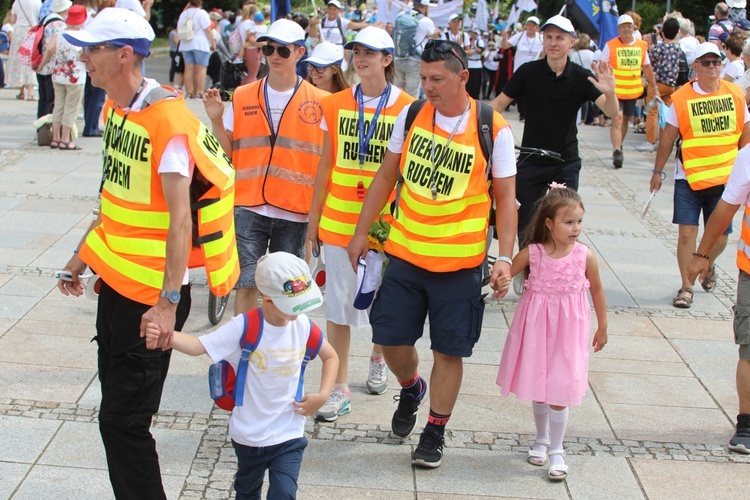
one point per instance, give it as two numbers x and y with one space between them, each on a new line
116 142
364 138
269 117
435 165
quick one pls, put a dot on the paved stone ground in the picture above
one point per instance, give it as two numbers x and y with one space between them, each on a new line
655 425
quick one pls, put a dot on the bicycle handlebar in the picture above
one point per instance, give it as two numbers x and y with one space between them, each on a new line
542 153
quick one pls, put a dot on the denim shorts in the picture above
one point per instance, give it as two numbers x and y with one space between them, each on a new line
199 57
453 300
742 315
689 204
257 233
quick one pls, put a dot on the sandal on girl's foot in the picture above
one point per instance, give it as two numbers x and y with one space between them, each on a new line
69 146
188 96
54 144
557 472
709 284
538 457
684 298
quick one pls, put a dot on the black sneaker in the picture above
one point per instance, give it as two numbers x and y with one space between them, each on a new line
740 442
429 452
617 158
405 417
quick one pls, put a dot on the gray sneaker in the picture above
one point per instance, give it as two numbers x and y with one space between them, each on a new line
617 158
339 403
740 442
377 379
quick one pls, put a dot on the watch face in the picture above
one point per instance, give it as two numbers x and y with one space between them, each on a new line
173 296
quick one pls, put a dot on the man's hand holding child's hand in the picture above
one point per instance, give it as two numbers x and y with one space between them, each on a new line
311 403
152 337
501 286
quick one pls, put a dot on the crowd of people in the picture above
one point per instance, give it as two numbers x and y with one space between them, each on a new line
325 139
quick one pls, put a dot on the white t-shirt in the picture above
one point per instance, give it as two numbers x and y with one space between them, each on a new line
249 26
735 69
679 172
201 22
329 30
370 102
688 45
461 39
737 190
267 416
277 102
527 49
583 58
27 12
489 60
503 150
425 29
133 5
475 60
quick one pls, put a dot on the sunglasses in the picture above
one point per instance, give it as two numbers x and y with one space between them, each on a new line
284 52
311 68
715 62
444 47
94 48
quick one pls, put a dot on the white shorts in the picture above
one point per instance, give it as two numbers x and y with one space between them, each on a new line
341 288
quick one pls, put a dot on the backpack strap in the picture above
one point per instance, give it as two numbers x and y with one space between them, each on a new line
485 122
251 335
157 95
314 341
341 30
411 115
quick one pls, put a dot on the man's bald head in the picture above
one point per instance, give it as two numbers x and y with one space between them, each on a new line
721 10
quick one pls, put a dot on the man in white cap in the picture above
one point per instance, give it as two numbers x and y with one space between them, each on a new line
271 131
528 44
552 91
140 241
333 26
710 116
628 56
407 51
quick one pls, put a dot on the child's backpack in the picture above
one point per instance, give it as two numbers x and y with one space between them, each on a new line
4 42
30 52
404 35
185 30
227 388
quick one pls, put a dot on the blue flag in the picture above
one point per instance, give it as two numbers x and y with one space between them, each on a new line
597 18
280 9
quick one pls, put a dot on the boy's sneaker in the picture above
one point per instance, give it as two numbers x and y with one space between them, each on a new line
617 158
429 452
740 442
405 417
339 403
377 380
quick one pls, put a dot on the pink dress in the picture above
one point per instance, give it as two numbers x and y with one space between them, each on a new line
546 353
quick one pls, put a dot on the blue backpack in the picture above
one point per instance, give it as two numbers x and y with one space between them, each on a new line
404 35
4 42
227 388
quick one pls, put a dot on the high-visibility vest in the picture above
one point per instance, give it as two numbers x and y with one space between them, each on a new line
128 248
450 232
281 171
343 202
710 126
627 61
743 247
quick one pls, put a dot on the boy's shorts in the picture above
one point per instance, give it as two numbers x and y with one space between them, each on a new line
688 205
257 233
409 293
742 316
627 106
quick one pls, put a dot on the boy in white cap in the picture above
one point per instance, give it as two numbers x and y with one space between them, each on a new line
153 144
268 430
271 131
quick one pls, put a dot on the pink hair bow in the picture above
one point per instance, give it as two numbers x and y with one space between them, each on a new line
555 185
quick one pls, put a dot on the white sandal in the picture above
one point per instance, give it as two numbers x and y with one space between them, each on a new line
538 458
557 472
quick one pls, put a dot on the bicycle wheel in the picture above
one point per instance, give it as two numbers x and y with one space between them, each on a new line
216 307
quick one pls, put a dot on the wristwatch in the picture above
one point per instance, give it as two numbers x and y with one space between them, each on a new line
173 296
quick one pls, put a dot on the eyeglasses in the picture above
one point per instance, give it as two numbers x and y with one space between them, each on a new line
444 47
284 52
94 48
709 62
311 68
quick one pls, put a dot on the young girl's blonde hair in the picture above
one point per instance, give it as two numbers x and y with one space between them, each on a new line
558 198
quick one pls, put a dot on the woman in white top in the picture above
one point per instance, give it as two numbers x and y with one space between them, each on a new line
528 44
735 67
251 28
197 50
24 15
491 64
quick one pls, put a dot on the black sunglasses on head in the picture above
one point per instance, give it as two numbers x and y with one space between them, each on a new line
444 47
284 52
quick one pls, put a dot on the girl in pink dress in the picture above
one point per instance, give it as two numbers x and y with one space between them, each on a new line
546 354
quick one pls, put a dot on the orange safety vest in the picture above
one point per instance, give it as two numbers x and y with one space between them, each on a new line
343 204
710 126
128 248
743 247
450 232
627 61
281 171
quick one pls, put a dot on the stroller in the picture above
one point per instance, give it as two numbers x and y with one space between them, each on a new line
226 71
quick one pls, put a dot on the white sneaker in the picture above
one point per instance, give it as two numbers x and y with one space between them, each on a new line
377 379
646 147
339 403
